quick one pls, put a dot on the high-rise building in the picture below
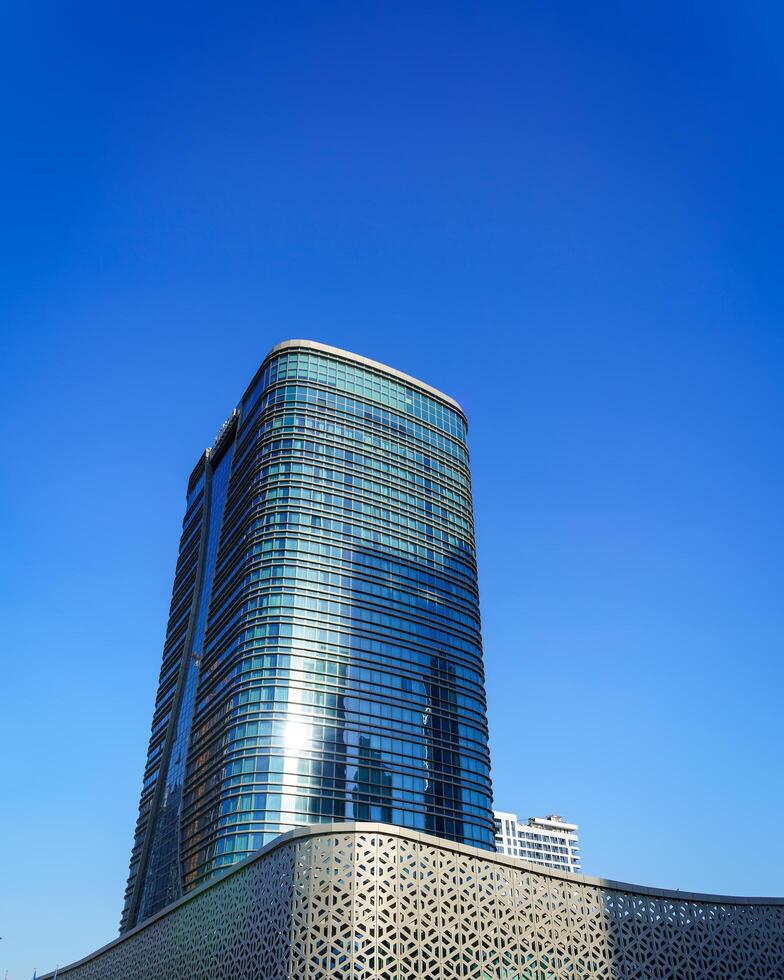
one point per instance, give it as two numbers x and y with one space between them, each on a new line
550 841
323 656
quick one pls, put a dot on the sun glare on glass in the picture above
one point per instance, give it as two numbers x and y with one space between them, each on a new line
297 735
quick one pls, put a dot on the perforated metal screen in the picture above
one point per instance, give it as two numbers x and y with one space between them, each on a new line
370 902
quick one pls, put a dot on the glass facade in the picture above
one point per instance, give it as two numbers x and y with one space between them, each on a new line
326 595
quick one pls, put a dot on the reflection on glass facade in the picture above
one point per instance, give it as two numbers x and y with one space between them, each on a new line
323 657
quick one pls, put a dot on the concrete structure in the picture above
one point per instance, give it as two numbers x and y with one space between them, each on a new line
550 840
323 656
376 902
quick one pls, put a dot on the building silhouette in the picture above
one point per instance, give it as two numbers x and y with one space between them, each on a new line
323 657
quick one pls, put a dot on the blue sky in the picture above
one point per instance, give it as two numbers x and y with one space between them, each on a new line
568 216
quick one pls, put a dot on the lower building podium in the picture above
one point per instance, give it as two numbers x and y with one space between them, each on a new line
362 901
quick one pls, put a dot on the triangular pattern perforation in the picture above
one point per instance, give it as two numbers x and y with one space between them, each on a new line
361 905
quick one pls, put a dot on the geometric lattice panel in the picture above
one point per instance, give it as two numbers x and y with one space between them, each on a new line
374 902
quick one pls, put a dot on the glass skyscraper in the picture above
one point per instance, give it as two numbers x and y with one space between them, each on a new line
323 657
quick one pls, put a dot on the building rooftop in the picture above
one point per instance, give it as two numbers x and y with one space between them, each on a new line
367 362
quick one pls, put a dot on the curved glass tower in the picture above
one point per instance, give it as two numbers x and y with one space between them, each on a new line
323 657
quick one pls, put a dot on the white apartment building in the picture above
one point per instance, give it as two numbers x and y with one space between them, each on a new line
550 840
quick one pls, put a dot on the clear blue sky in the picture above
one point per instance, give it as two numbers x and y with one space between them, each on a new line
570 217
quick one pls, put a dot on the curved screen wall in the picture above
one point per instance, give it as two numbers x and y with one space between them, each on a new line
382 903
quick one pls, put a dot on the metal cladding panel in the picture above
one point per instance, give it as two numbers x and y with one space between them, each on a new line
370 902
